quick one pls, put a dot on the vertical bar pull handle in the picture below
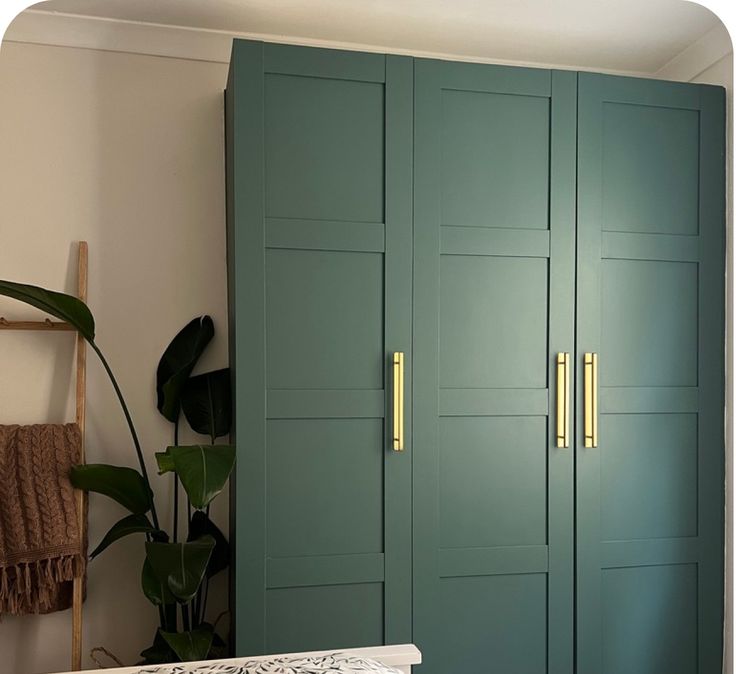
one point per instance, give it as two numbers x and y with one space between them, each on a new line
398 369
563 399
591 400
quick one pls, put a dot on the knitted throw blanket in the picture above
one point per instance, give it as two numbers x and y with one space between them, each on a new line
41 547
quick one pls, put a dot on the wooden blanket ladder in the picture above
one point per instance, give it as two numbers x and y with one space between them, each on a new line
81 386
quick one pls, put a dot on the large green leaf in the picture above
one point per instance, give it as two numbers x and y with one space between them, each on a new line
202 469
181 565
159 653
207 403
202 525
156 591
165 462
218 650
190 646
178 362
124 485
64 307
132 524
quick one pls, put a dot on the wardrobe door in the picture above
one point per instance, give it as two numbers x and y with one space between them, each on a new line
493 305
650 305
319 210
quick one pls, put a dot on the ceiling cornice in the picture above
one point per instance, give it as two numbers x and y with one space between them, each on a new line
699 56
35 26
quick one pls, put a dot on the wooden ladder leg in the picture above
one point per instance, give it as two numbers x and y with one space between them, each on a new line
78 586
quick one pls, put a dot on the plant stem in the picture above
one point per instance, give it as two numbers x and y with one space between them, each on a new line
176 508
133 433
170 616
186 625
196 603
176 486
204 598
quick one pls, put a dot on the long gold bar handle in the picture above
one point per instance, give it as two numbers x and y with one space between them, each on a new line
563 399
590 422
398 365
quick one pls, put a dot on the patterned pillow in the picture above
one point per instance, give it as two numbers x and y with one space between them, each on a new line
326 664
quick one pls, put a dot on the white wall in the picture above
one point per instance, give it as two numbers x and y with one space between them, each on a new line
126 152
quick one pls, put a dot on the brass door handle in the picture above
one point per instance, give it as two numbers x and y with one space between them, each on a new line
398 370
563 399
590 422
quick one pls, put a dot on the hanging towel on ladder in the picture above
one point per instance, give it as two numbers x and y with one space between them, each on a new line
41 547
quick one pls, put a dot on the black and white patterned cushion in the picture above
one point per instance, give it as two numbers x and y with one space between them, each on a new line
326 664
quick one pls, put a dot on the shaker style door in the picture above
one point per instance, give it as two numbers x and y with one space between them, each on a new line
319 209
650 447
494 227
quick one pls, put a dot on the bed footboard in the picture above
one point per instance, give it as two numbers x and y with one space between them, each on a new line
402 657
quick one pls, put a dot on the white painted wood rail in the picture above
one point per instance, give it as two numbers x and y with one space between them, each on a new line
402 657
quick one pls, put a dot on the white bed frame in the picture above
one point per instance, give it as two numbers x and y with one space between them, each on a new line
402 657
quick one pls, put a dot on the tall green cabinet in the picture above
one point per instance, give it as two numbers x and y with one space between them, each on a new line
477 329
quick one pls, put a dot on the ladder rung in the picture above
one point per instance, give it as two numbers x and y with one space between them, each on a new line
46 324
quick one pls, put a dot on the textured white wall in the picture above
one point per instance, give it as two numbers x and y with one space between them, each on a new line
125 151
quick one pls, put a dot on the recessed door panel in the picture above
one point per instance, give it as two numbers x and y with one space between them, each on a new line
649 164
493 322
649 476
324 319
324 618
514 639
304 517
325 148
493 481
649 322
649 620
649 493
495 163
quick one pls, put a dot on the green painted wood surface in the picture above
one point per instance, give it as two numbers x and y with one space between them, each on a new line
493 301
320 254
246 292
482 220
650 302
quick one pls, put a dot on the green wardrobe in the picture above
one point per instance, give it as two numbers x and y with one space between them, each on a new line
477 333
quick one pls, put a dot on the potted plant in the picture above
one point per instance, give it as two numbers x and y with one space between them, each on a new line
177 566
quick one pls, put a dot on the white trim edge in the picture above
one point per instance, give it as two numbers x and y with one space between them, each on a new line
699 56
402 656
35 26
87 32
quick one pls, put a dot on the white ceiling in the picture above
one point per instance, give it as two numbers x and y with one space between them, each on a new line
624 35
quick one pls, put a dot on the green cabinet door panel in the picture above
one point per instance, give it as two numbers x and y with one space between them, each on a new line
494 235
319 239
650 262
489 178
